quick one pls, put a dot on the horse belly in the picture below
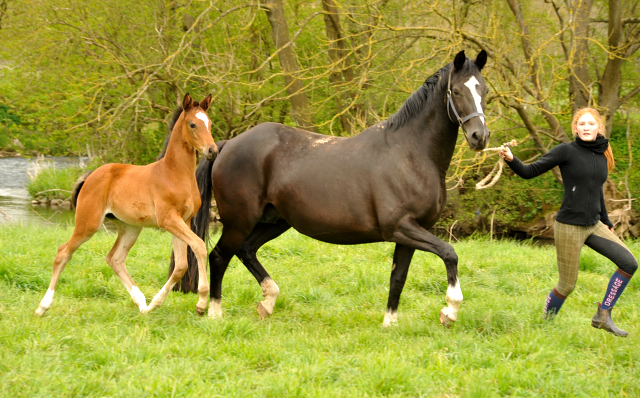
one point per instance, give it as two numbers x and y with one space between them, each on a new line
337 218
135 212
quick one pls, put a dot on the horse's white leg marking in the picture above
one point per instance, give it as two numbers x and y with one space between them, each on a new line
270 293
390 318
215 309
138 298
471 84
454 298
46 302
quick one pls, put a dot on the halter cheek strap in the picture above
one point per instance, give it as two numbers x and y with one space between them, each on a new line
450 105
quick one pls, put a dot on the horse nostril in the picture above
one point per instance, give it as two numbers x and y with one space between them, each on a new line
474 136
212 152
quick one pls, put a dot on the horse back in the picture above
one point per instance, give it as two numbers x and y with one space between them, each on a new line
340 190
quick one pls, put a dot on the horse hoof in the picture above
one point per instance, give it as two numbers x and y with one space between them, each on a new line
201 311
40 312
445 320
262 311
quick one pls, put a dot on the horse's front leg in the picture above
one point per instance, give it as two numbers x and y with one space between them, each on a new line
183 236
409 233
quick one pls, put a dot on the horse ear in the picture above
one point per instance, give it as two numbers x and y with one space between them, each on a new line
481 59
458 62
205 103
187 102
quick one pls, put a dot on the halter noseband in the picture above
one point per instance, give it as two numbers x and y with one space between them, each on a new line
461 121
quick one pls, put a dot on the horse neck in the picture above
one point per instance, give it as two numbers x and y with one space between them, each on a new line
431 135
180 156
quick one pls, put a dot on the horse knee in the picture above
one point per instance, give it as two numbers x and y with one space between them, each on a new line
449 256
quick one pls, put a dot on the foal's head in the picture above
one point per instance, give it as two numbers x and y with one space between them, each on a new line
468 92
196 126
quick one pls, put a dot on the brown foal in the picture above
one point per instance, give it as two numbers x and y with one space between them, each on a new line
163 194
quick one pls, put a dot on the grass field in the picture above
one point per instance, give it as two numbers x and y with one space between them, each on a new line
325 338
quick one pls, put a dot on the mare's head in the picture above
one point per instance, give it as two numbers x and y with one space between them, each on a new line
196 126
466 98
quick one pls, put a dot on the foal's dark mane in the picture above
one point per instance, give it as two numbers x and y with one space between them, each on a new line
172 122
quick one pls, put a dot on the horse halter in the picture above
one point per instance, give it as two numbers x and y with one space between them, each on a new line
461 121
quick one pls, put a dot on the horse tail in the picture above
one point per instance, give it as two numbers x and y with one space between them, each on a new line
77 187
199 224
170 126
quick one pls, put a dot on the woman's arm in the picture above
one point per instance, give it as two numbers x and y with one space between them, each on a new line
551 159
604 215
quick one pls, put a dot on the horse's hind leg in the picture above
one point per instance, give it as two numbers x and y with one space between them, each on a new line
261 234
401 261
80 235
127 236
219 258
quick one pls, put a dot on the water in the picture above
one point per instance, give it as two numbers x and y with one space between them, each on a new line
15 201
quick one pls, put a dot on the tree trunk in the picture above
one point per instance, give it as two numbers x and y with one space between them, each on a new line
529 53
289 63
579 81
610 82
339 62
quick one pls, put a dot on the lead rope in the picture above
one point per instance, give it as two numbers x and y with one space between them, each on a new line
493 175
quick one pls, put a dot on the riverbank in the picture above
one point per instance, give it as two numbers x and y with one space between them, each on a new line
16 199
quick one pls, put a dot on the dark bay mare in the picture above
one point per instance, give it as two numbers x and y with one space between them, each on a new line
385 184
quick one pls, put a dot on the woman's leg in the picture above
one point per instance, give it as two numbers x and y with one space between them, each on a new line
568 240
609 245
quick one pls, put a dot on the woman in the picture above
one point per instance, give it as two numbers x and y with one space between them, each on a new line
582 218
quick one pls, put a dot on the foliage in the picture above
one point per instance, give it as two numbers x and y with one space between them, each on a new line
102 78
325 336
49 182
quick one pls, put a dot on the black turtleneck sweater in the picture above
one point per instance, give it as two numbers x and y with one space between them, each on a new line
584 170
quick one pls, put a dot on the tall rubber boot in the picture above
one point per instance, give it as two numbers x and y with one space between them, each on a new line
602 320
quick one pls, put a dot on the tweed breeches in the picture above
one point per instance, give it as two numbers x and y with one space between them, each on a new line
569 240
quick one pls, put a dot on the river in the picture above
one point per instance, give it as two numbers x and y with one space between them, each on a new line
15 201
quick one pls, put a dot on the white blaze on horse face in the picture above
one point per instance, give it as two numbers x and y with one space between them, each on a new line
471 84
204 118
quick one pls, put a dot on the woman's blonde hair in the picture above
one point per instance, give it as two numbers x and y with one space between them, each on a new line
596 115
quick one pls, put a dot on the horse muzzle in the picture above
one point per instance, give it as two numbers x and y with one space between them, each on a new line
478 138
210 152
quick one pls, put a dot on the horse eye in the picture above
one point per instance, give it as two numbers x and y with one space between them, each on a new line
192 125
456 91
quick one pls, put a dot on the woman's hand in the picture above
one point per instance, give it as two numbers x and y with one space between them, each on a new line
505 153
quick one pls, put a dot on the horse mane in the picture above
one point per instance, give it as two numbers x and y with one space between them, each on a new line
172 122
419 99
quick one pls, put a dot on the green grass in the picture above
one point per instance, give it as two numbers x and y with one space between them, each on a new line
53 183
325 338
